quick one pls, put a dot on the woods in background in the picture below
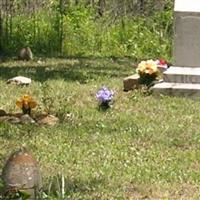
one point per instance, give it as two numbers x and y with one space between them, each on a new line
86 27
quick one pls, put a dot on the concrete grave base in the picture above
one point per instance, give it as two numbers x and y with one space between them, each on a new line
180 81
177 89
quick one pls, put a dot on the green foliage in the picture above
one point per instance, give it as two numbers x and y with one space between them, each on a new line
38 32
78 31
15 195
138 38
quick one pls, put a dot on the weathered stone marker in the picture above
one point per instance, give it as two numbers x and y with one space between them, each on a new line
19 80
183 79
25 54
21 173
131 82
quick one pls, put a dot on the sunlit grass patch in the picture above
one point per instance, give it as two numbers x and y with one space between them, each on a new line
142 147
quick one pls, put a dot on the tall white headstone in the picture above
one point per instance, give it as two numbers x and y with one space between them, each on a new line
186 51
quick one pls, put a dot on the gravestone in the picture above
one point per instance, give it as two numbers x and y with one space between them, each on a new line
21 173
186 52
183 79
131 82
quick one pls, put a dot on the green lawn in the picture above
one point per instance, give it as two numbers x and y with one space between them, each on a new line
142 148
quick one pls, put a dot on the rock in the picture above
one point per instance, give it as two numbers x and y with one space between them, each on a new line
13 120
2 113
17 118
69 117
40 62
47 120
21 173
3 118
131 82
19 80
10 119
26 119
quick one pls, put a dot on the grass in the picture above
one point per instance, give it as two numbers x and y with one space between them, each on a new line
142 148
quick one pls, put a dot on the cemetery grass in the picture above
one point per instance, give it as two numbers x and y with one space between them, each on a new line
141 148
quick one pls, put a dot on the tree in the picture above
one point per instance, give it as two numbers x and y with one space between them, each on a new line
1 33
101 7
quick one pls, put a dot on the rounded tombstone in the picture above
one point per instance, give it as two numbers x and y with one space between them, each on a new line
21 173
25 54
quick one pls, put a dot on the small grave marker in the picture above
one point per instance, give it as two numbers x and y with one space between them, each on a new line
21 173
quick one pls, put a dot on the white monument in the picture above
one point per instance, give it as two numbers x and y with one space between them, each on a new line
186 52
183 78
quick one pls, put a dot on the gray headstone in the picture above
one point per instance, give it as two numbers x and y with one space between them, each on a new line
186 50
22 173
183 79
187 6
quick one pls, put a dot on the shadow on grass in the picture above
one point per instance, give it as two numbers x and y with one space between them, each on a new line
80 69
54 186
11 131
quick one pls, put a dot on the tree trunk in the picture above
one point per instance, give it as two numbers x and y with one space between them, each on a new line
1 33
101 7
141 5
76 2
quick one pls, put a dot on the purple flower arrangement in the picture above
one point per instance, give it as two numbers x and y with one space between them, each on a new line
104 96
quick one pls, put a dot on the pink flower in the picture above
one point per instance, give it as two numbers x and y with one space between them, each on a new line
162 63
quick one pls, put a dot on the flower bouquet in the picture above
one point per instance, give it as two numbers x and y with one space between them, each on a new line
26 103
104 96
148 72
162 65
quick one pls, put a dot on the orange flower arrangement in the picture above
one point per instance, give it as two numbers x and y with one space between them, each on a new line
26 103
148 71
147 67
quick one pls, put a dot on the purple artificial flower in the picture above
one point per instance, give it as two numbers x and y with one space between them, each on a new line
104 95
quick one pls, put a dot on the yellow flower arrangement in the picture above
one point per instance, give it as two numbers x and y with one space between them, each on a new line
26 103
147 67
148 71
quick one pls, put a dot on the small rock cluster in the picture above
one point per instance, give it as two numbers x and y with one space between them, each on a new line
19 118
